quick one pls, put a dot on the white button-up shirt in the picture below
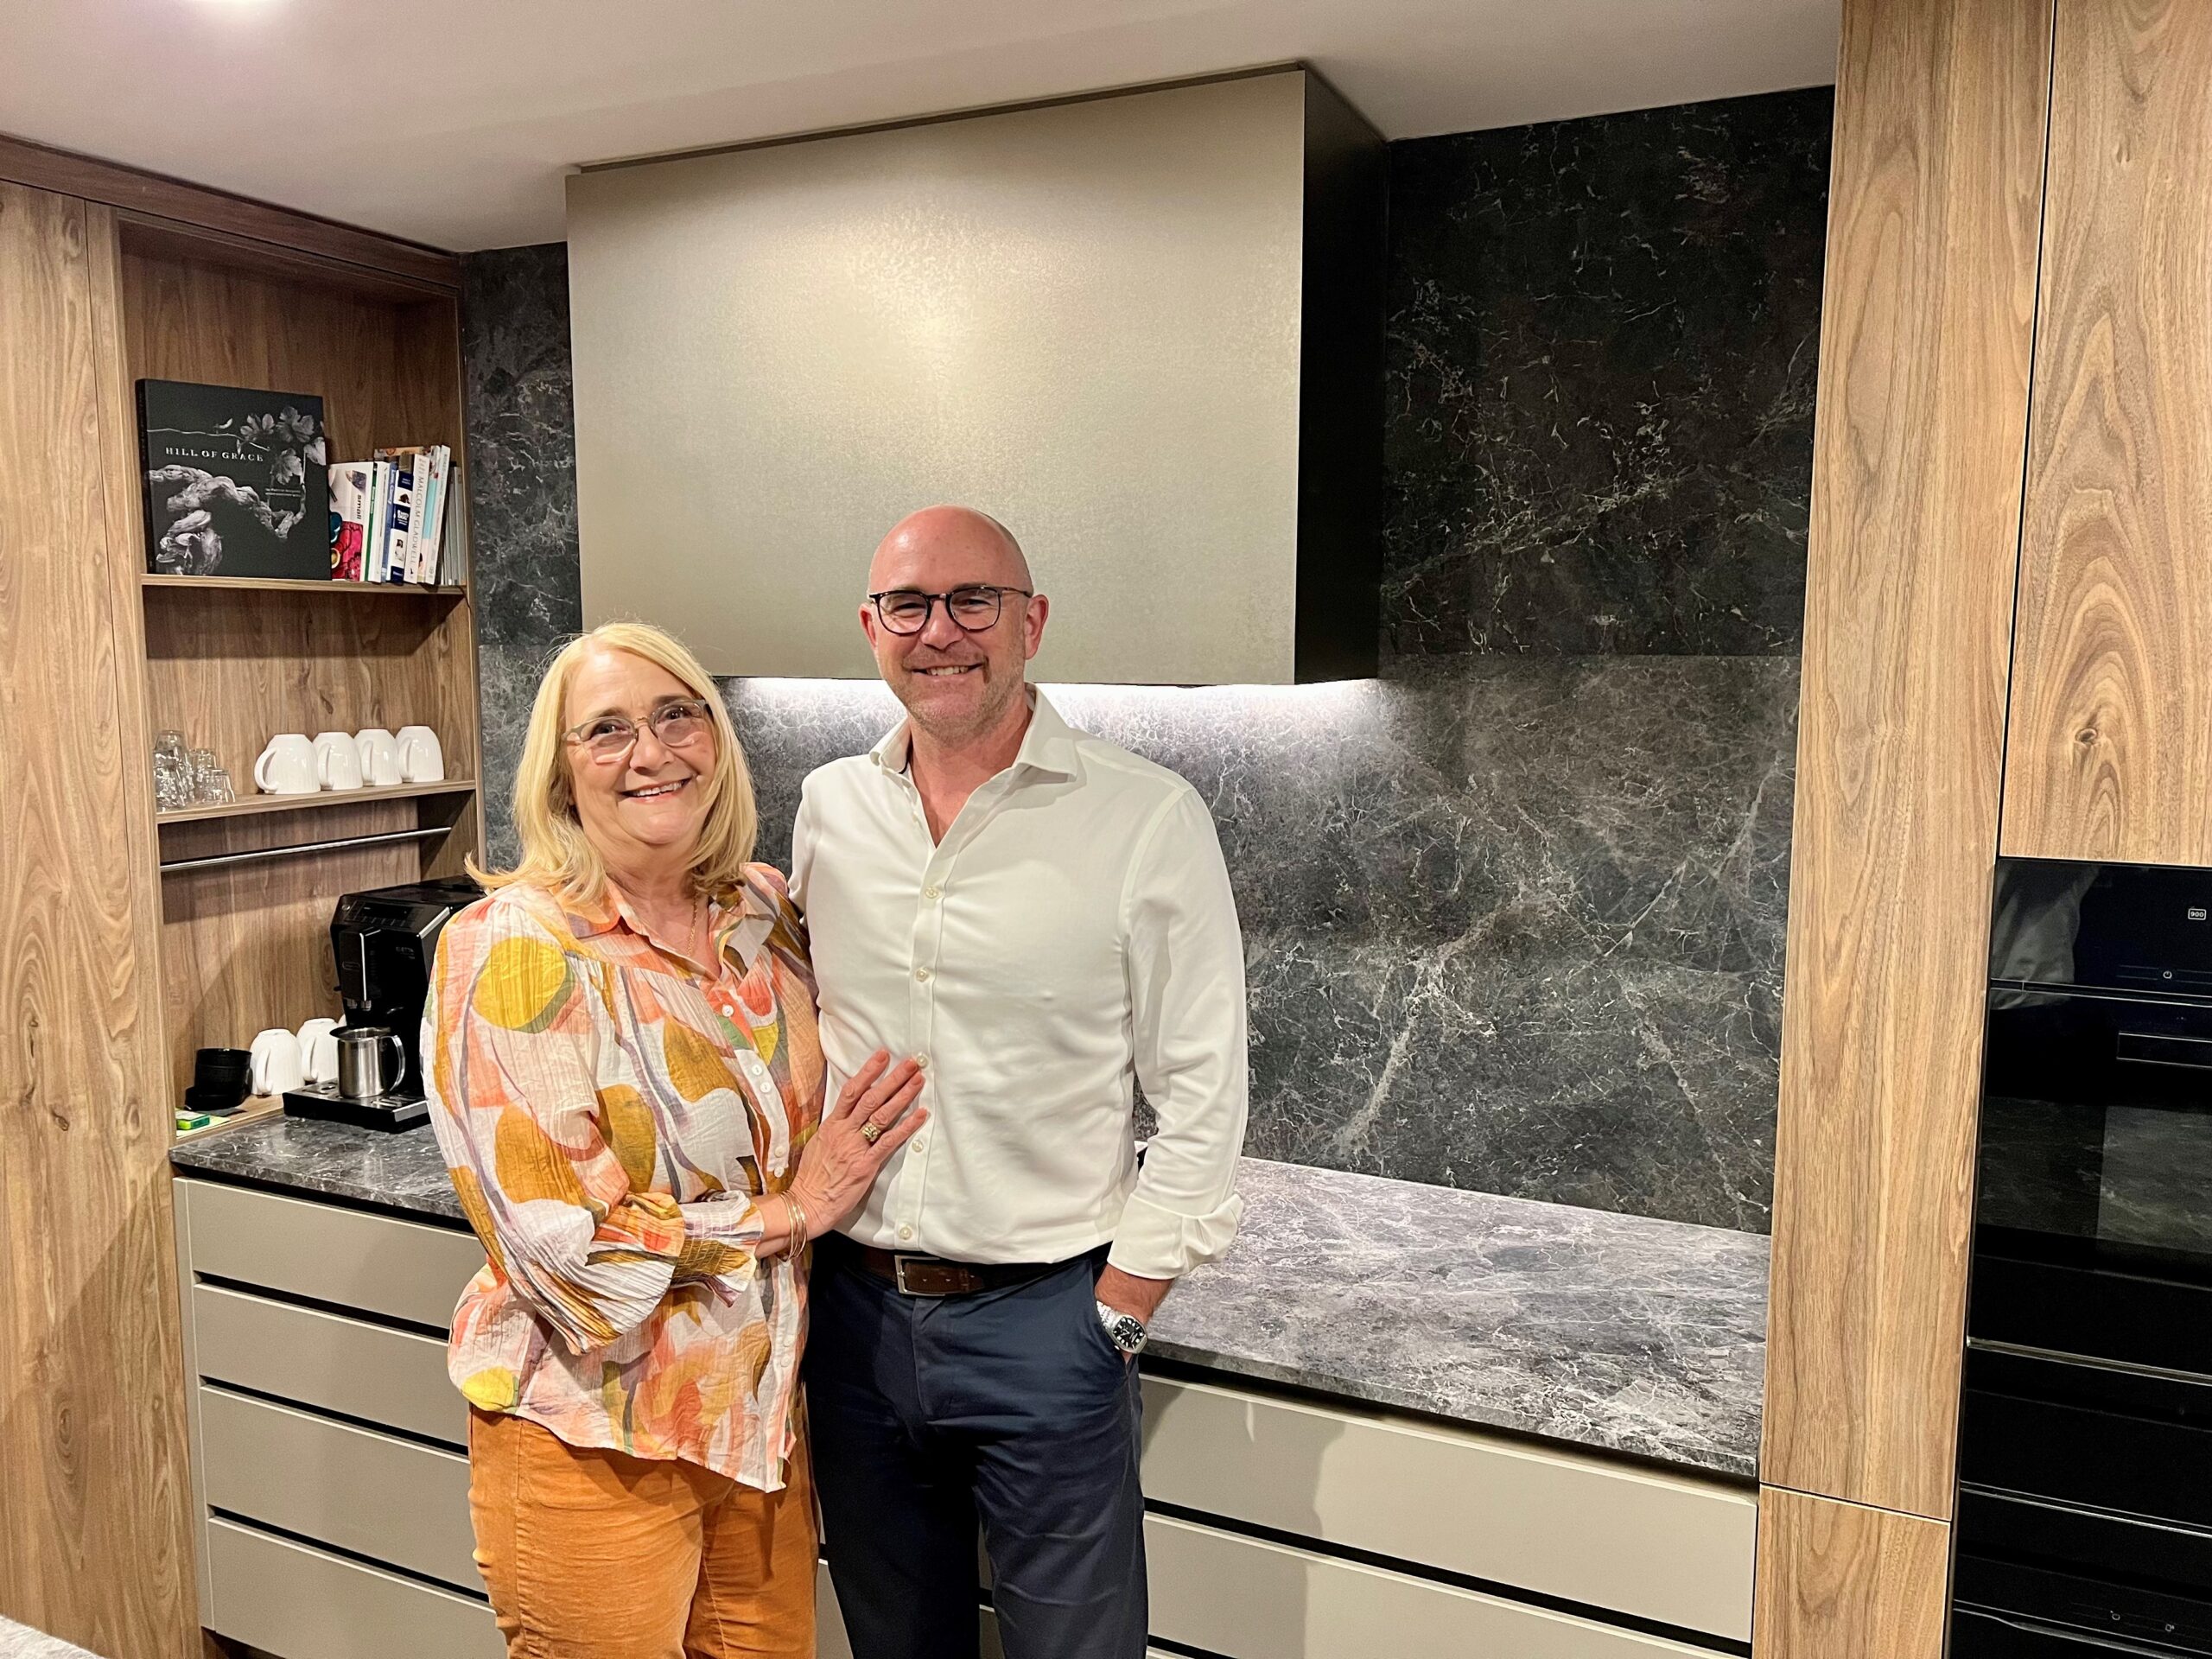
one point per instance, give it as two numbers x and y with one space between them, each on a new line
1073 935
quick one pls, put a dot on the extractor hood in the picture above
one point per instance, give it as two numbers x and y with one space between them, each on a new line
1143 330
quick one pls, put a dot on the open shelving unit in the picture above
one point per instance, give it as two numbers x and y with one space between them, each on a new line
247 889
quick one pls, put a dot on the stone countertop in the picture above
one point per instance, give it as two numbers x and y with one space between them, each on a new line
1617 1332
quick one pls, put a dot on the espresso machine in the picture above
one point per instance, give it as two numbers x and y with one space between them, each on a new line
385 941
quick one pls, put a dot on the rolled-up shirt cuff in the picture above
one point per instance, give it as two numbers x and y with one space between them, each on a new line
1154 1242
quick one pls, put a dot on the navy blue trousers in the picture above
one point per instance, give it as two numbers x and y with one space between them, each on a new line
1007 1407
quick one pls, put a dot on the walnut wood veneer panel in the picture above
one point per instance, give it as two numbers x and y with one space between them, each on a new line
93 1541
1918 446
2111 745
1843 1581
257 224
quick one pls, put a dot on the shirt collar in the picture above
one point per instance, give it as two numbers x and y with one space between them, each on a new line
1047 747
740 921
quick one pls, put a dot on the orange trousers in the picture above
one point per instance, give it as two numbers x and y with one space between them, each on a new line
594 1554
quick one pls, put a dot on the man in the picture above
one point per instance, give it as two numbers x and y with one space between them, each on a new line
1046 920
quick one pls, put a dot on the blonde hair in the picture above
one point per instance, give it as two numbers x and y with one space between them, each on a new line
557 854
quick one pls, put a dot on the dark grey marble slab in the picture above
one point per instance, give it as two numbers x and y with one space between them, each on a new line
402 1172
1612 1331
1602 336
1615 1331
522 495
1512 923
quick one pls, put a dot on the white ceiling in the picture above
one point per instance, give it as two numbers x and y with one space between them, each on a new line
453 121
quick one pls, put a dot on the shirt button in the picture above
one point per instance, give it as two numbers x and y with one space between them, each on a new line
921 1062
932 892
923 975
905 1232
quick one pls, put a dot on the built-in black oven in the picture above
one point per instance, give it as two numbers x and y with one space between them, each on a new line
2084 1520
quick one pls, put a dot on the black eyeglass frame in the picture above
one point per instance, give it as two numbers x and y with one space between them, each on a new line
931 600
694 707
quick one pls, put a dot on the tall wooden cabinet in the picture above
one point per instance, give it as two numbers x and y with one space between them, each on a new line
93 1471
128 938
2015 402
2110 748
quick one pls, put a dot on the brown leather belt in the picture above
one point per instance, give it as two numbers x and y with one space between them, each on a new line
914 1275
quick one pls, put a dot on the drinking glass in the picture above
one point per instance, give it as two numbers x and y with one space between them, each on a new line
211 783
174 785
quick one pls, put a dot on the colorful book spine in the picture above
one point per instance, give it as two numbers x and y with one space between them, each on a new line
349 507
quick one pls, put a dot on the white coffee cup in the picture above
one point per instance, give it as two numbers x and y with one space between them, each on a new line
319 1051
286 766
379 757
337 760
276 1066
420 760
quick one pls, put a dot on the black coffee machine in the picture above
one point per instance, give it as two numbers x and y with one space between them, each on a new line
385 941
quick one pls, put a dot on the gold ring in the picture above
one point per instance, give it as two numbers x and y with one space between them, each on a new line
871 1132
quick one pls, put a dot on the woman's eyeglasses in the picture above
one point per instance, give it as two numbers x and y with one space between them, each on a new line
974 609
678 724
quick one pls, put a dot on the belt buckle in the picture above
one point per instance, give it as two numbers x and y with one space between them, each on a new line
898 1262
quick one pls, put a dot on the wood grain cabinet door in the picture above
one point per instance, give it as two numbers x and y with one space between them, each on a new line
2109 747
92 1476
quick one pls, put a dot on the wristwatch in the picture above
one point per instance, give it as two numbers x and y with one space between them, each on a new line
1125 1331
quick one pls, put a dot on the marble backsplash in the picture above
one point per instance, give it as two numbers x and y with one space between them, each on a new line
1515 910
1511 922
1602 337
522 495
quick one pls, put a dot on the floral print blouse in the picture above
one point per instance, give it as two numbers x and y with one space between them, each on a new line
611 1112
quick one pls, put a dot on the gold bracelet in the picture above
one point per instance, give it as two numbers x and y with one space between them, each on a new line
795 1239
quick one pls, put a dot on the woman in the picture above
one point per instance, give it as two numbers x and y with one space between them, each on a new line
626 1083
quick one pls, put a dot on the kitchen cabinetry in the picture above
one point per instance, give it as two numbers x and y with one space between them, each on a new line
330 1472
1927 323
131 937
91 1447
2109 745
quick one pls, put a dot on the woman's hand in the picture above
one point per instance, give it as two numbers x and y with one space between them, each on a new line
875 1115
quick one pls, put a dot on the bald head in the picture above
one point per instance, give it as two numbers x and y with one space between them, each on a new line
943 546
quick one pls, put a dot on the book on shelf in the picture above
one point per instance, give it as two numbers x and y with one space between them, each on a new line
403 505
236 482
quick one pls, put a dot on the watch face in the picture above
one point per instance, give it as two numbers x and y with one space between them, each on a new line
1124 1330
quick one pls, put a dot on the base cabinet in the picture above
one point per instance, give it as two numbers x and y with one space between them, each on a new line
330 1477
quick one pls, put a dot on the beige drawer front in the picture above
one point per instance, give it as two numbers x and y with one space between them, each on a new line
369 1371
401 1269
1678 1551
288 1600
390 1500
1246 1599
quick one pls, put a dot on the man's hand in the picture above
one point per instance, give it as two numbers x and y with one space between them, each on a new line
1127 1293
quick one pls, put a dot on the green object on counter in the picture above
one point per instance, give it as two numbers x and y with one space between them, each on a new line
189 1121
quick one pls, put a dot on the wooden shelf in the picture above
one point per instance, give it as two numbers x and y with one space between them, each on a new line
148 582
256 805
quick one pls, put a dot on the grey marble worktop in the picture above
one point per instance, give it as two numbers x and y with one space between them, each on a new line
1617 1332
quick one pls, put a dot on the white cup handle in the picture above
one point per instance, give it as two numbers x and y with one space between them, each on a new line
261 768
322 764
363 747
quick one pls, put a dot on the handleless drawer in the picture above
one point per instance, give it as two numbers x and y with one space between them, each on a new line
1675 1550
401 1269
1246 1598
371 1371
285 1597
390 1500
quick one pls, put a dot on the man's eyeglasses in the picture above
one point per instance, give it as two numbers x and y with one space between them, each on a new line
677 723
974 609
